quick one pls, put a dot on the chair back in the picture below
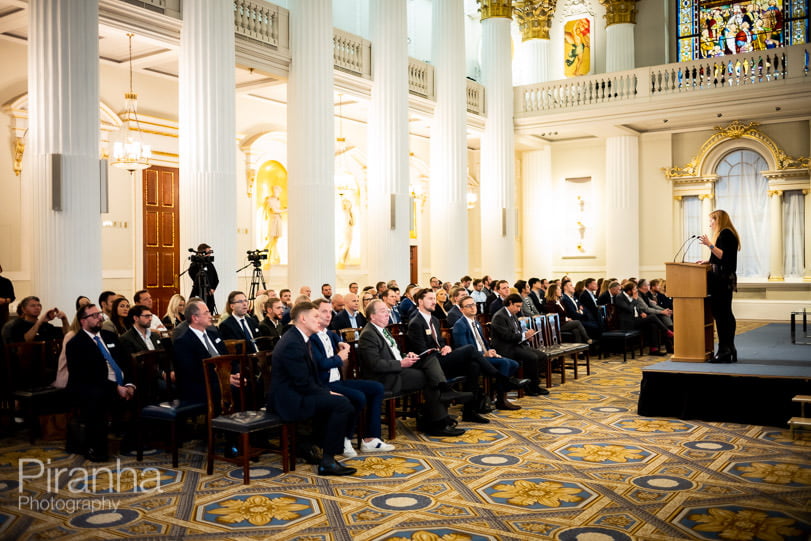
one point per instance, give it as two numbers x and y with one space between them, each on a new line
447 335
148 377
30 364
264 343
257 378
235 347
553 329
350 334
608 315
217 372
398 332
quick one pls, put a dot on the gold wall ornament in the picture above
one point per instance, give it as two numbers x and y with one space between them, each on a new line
619 11
495 8
736 130
534 18
19 150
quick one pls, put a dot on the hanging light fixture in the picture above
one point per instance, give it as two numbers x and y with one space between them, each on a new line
129 152
344 180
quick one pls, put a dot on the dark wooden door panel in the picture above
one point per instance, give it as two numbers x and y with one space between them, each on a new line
161 220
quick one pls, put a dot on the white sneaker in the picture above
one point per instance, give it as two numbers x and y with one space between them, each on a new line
375 446
349 451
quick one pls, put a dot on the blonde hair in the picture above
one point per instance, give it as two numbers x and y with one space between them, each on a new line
171 308
723 221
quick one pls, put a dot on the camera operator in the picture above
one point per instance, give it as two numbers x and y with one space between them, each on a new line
202 271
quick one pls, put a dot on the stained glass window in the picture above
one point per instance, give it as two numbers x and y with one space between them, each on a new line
712 28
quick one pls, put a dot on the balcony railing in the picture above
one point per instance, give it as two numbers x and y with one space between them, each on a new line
421 78
353 54
749 69
475 98
257 20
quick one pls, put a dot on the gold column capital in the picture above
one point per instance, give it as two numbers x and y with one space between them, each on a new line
677 197
534 18
619 11
772 193
495 8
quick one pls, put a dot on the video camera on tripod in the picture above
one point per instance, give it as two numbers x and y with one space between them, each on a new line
201 257
257 256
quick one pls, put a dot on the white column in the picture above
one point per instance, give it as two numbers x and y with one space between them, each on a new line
497 175
448 186
534 69
619 47
208 208
776 259
63 104
807 273
622 206
707 206
388 211
678 223
311 146
538 231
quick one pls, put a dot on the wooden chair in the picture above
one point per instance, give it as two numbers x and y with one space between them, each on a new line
30 369
613 336
156 402
225 416
235 347
574 349
541 343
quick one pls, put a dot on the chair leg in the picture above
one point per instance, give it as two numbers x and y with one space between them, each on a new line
173 443
588 363
139 441
284 443
210 454
292 436
391 418
549 372
246 459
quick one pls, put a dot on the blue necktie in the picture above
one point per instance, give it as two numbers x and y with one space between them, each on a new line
247 334
119 376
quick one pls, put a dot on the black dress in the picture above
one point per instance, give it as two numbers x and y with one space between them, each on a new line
722 282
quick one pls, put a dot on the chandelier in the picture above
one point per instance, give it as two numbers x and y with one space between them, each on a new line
129 152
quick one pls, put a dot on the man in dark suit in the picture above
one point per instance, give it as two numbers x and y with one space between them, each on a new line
468 331
198 342
591 314
608 295
99 379
204 274
423 335
349 317
391 298
297 393
496 302
455 313
331 354
381 360
536 294
240 325
574 313
271 326
140 337
510 340
630 318
407 305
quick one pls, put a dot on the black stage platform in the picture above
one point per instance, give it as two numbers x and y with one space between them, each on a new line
756 390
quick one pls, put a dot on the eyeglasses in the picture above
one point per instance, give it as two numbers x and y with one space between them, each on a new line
87 316
146 315
469 305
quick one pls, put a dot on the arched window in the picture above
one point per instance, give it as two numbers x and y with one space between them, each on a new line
741 190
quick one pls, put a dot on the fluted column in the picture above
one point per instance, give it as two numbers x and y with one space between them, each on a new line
388 213
622 206
707 206
311 146
497 176
620 18
534 18
678 223
776 259
448 186
536 172
63 104
208 208
807 273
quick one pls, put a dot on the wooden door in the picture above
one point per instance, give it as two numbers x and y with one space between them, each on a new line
161 236
414 266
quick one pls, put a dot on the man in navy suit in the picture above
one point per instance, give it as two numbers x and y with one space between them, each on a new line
99 378
591 314
330 355
297 393
510 339
496 302
391 297
536 294
407 305
455 313
349 317
240 325
574 312
468 331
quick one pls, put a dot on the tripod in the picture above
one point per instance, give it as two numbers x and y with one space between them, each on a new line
202 285
257 279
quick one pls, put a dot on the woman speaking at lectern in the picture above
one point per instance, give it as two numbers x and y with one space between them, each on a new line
724 246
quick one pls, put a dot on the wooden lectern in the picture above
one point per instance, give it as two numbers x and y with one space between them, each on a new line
692 317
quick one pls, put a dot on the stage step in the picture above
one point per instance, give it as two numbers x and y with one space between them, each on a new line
802 423
802 399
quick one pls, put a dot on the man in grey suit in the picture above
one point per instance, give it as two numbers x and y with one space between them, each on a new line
509 339
381 360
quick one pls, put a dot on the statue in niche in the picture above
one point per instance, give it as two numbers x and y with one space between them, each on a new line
273 213
349 228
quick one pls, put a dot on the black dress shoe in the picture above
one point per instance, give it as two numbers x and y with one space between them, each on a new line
96 456
504 404
516 383
536 390
658 353
445 432
455 396
473 417
332 467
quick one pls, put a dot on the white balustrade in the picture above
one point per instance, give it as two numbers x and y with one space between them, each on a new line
257 20
755 68
475 98
352 53
421 78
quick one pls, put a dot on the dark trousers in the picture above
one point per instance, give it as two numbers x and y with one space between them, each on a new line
363 394
334 418
426 375
725 324
465 361
531 360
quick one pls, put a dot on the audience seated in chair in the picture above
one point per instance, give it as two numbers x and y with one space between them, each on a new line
140 336
32 324
240 325
630 318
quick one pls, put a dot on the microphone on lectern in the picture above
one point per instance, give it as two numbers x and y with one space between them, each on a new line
692 240
691 237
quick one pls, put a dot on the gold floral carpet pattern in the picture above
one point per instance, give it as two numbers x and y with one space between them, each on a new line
578 464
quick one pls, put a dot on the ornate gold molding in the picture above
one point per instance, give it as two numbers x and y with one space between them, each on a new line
534 18
677 197
495 8
778 193
19 150
619 11
736 130
704 196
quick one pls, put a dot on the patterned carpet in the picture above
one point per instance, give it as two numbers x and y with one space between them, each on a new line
576 465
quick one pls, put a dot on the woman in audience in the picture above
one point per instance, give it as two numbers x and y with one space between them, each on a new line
174 311
553 306
61 380
440 311
118 322
365 300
